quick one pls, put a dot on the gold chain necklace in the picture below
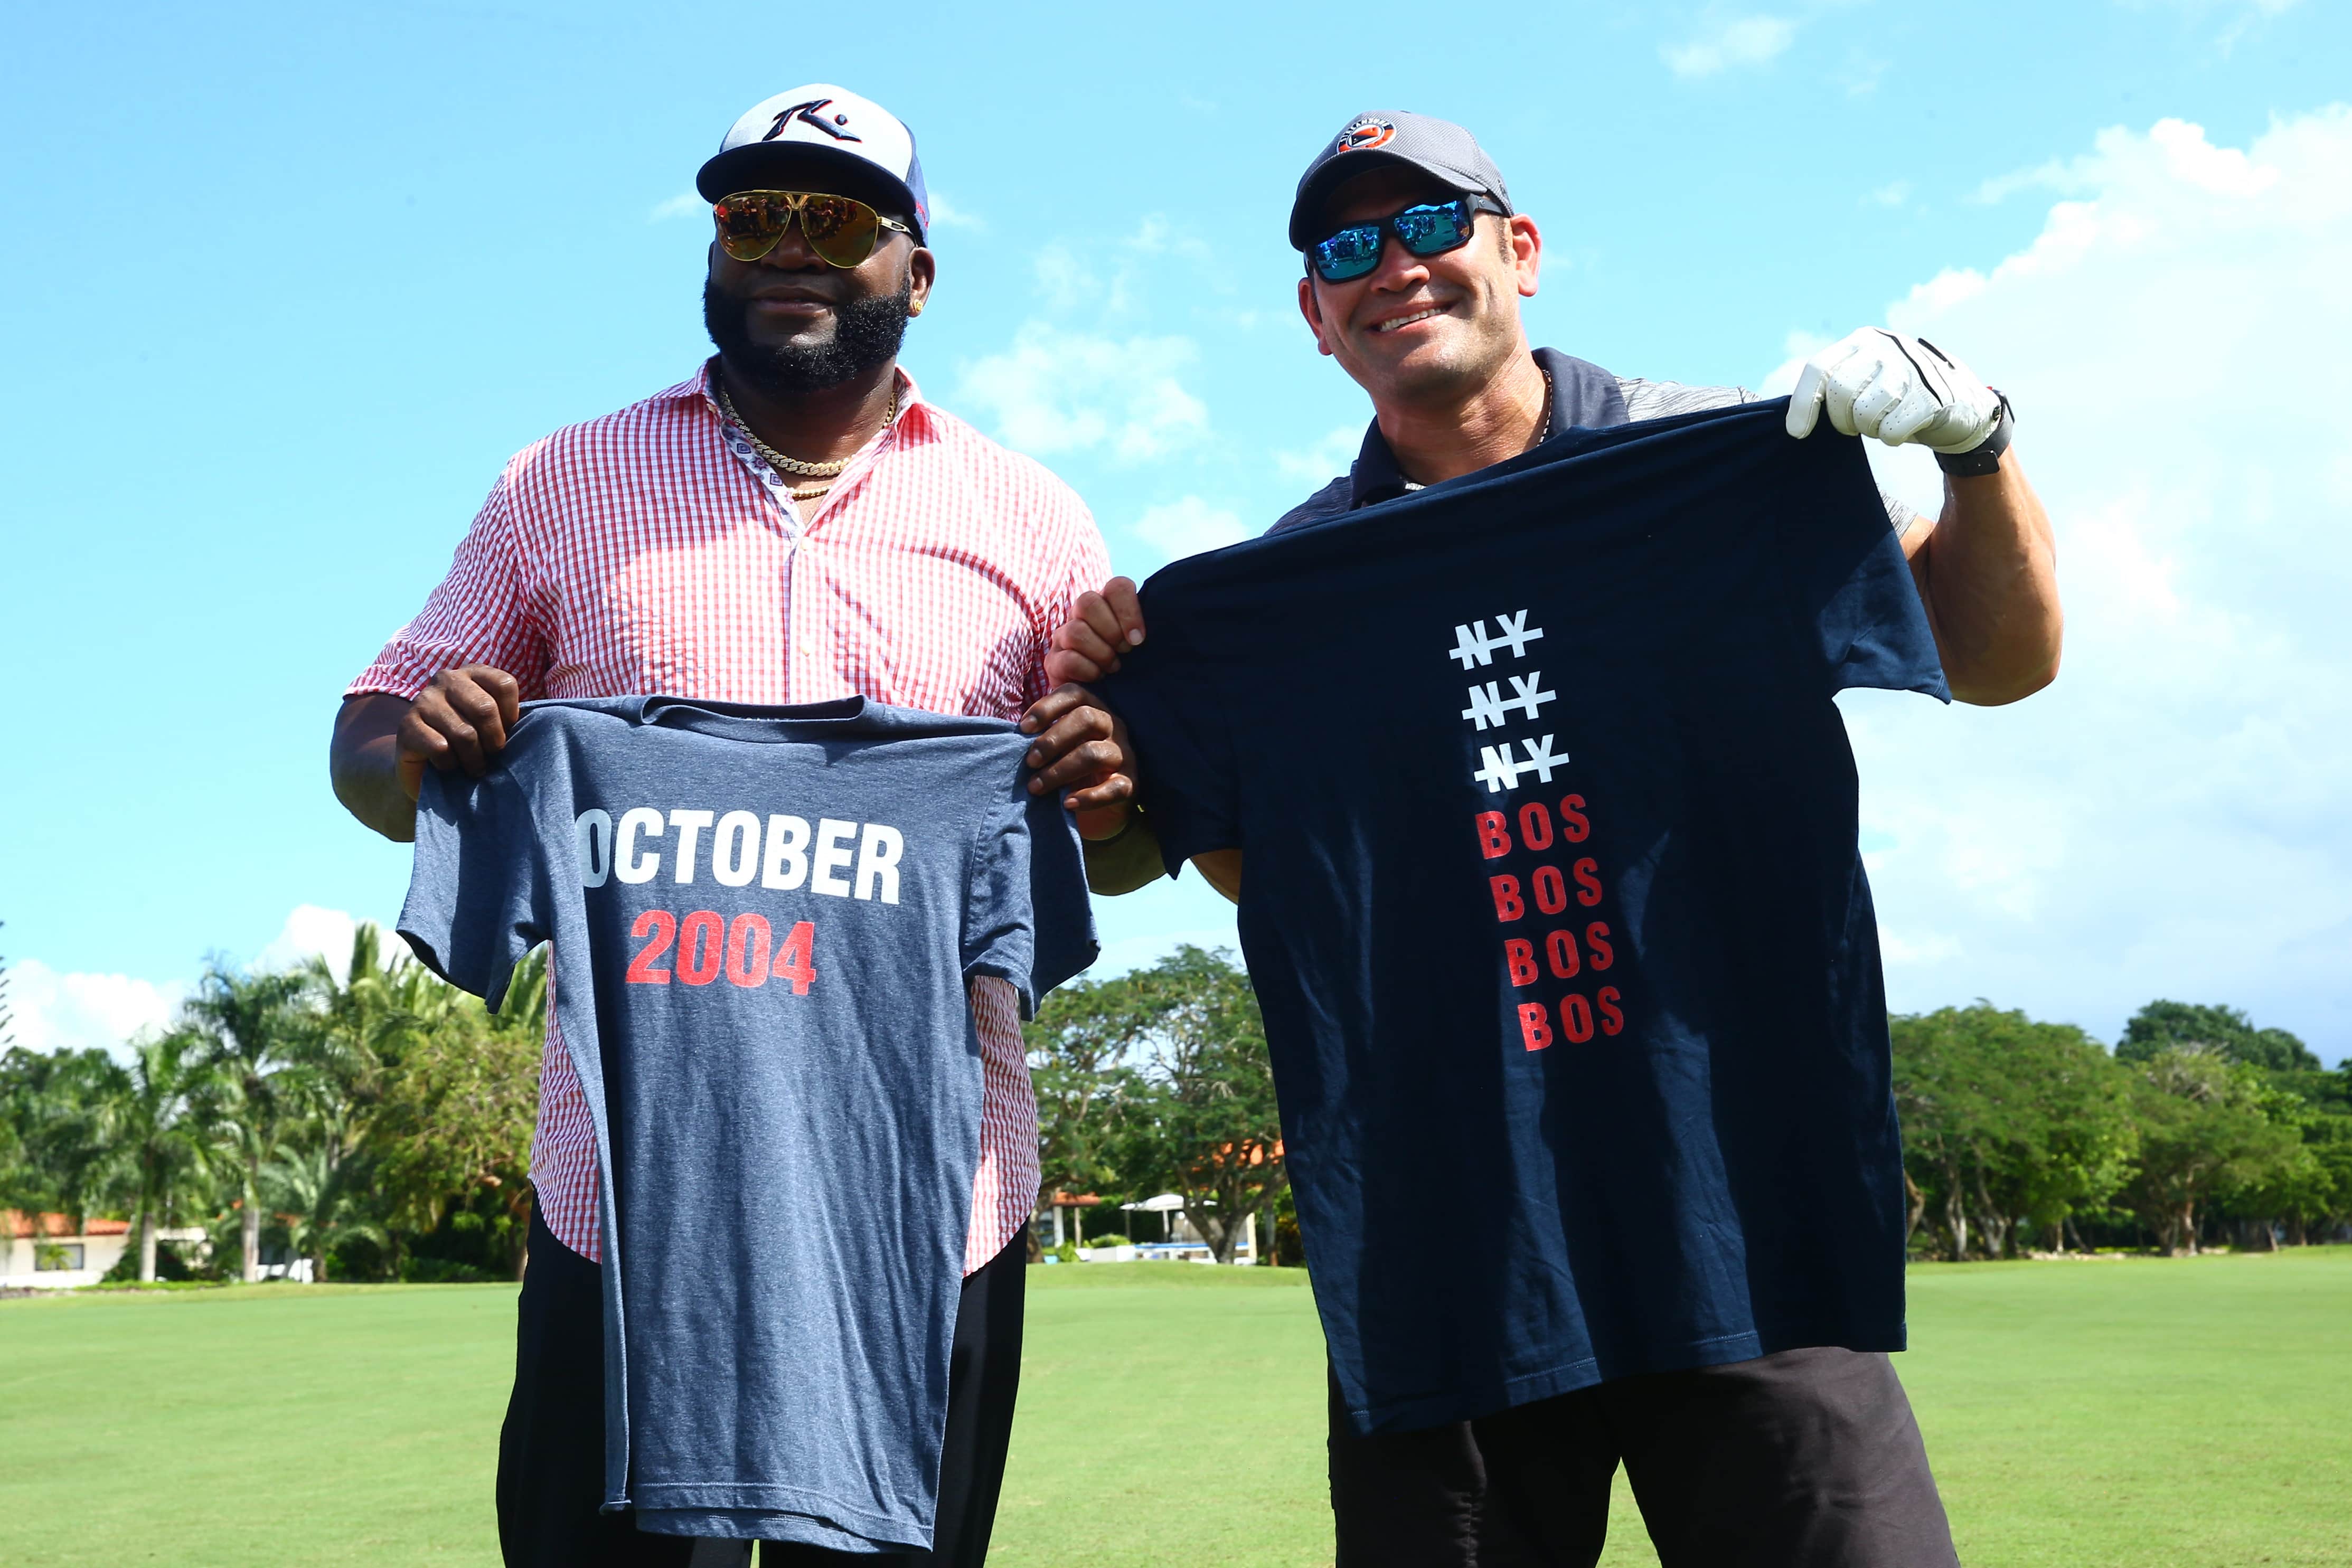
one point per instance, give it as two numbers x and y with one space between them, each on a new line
784 465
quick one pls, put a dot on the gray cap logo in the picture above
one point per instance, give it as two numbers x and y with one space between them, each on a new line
1366 132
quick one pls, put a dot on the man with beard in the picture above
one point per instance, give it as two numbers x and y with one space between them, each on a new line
792 523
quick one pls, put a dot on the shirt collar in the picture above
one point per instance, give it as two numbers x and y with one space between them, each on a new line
696 387
1377 477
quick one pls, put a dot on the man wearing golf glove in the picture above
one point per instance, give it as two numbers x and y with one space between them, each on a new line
1415 261
1896 389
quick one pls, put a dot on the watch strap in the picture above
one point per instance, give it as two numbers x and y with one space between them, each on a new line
1984 457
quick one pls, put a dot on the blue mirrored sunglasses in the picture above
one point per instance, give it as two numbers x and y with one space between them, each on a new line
1425 228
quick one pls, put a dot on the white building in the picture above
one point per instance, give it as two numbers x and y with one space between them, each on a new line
46 1251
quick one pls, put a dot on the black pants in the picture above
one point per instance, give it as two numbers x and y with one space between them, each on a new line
1809 1459
551 1450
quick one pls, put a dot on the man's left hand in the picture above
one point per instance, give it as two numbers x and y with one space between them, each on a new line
1880 383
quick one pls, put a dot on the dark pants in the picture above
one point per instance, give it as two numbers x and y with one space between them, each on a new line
551 1450
1809 1459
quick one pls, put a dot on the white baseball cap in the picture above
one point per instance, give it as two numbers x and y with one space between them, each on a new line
824 129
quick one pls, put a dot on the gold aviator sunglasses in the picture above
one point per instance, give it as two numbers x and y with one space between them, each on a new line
842 230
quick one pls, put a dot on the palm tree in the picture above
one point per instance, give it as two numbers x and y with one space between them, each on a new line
455 1123
168 1134
254 1029
323 1204
66 1110
364 1017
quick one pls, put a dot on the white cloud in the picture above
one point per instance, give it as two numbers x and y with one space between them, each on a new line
1319 463
2181 148
1055 390
1894 194
1897 948
2238 18
1188 527
58 1010
946 214
1156 237
2167 819
76 1011
1725 42
311 932
1798 347
685 205
1862 73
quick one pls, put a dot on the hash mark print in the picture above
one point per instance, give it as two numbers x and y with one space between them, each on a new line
1490 709
1498 770
1476 649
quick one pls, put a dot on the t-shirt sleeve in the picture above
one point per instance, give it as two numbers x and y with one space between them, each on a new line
1027 920
1855 589
482 613
1182 743
478 893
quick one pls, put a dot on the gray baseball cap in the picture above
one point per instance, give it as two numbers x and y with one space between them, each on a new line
1436 147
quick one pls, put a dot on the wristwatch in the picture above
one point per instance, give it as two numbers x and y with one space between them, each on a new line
1984 457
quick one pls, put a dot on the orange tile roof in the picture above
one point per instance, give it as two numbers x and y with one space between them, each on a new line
20 1226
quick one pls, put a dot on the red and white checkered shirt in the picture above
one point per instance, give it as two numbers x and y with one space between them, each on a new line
653 551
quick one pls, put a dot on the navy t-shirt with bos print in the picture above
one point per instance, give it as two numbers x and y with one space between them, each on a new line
1552 899
764 923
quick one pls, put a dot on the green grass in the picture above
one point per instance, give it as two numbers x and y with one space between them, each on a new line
2192 1414
257 1425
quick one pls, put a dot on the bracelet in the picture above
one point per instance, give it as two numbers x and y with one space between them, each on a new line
1984 457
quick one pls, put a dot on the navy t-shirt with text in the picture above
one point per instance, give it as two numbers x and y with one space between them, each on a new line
1553 901
764 922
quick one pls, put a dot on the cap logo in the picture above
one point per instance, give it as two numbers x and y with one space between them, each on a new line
1365 134
806 113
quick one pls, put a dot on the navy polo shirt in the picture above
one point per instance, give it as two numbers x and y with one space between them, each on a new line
1553 899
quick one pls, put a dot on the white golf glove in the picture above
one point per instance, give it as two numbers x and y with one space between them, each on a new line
1880 383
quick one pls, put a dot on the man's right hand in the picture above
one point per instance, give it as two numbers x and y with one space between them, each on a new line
460 720
1101 627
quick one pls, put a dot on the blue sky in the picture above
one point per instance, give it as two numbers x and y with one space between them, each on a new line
280 290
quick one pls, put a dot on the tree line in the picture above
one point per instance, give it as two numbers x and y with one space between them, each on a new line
375 1120
2197 1129
367 1117
1157 1081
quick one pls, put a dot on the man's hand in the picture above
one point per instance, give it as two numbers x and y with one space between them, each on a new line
1101 627
1081 748
460 720
1880 383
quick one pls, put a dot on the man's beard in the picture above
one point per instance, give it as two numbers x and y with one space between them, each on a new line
866 332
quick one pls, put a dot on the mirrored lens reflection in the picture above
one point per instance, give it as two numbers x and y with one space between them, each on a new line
1429 230
839 229
1351 253
750 226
